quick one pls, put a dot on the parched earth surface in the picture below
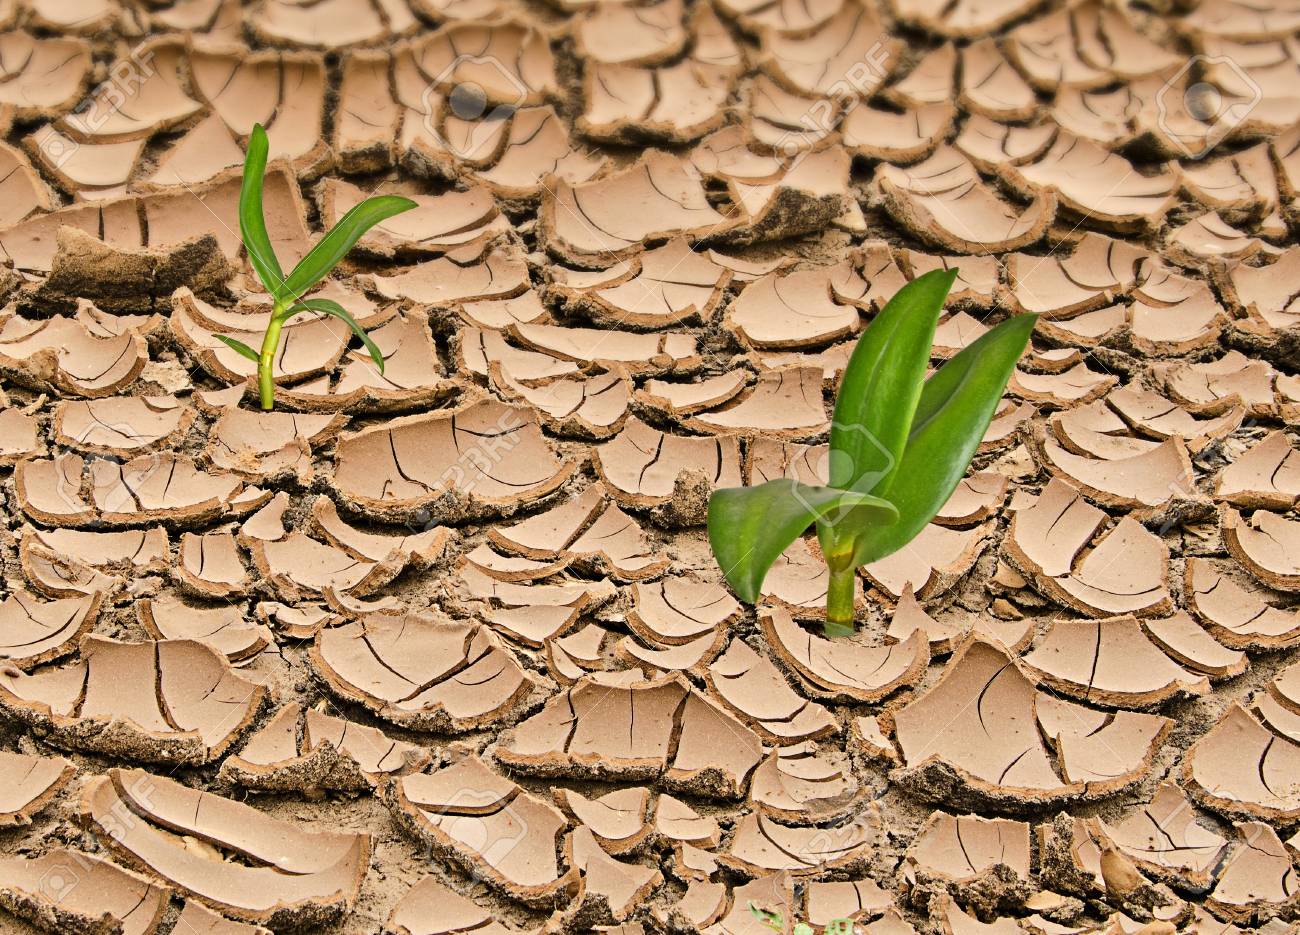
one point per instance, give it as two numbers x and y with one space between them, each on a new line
444 650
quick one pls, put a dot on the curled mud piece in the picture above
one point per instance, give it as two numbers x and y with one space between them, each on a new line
1109 662
991 87
490 459
1098 271
795 786
803 309
367 120
798 581
1258 878
312 345
1164 839
413 376
944 201
1266 477
423 671
123 425
1190 645
299 567
1267 545
813 62
576 407
221 628
844 671
430 907
669 733
974 738
292 878
536 139
438 223
1051 539
754 689
93 895
1077 386
784 403
761 846
30 783
619 821
211 565
37 631
680 609
1235 616
19 437
1174 315
937 560
1094 182
147 489
488 826
1242 769
197 919
966 18
612 217
636 353
283 91
1208 388
590 531
262 446
42 77
964 848
70 562
1154 416
609 890
296 753
188 710
672 476
665 286
333 24
61 355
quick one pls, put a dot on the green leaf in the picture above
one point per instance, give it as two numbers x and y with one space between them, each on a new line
252 224
882 384
330 307
335 245
766 917
749 527
239 346
954 411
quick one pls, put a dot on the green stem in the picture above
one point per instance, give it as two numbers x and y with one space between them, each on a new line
839 602
266 359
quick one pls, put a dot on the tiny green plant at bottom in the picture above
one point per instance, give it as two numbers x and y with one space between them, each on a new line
287 291
900 443
776 922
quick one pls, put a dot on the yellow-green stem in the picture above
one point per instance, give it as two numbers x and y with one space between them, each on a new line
839 602
266 359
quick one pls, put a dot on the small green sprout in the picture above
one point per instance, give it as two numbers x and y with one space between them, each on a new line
287 291
776 922
900 444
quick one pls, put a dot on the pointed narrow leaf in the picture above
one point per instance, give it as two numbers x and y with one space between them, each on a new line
330 307
881 385
749 527
335 245
953 414
239 346
252 223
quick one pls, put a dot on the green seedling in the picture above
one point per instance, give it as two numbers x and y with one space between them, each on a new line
776 922
900 444
287 291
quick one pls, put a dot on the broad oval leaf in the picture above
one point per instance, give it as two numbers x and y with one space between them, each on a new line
252 223
749 527
882 384
335 245
330 307
955 409
239 346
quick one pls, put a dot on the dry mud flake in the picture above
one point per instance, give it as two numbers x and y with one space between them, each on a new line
795 785
222 627
761 846
754 689
122 425
590 531
72 562
431 907
1234 615
842 670
292 877
423 671
1266 544
1243 769
144 490
30 783
680 609
670 734
37 631
61 354
963 848
489 459
70 891
1163 837
489 826
977 737
189 710
302 751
